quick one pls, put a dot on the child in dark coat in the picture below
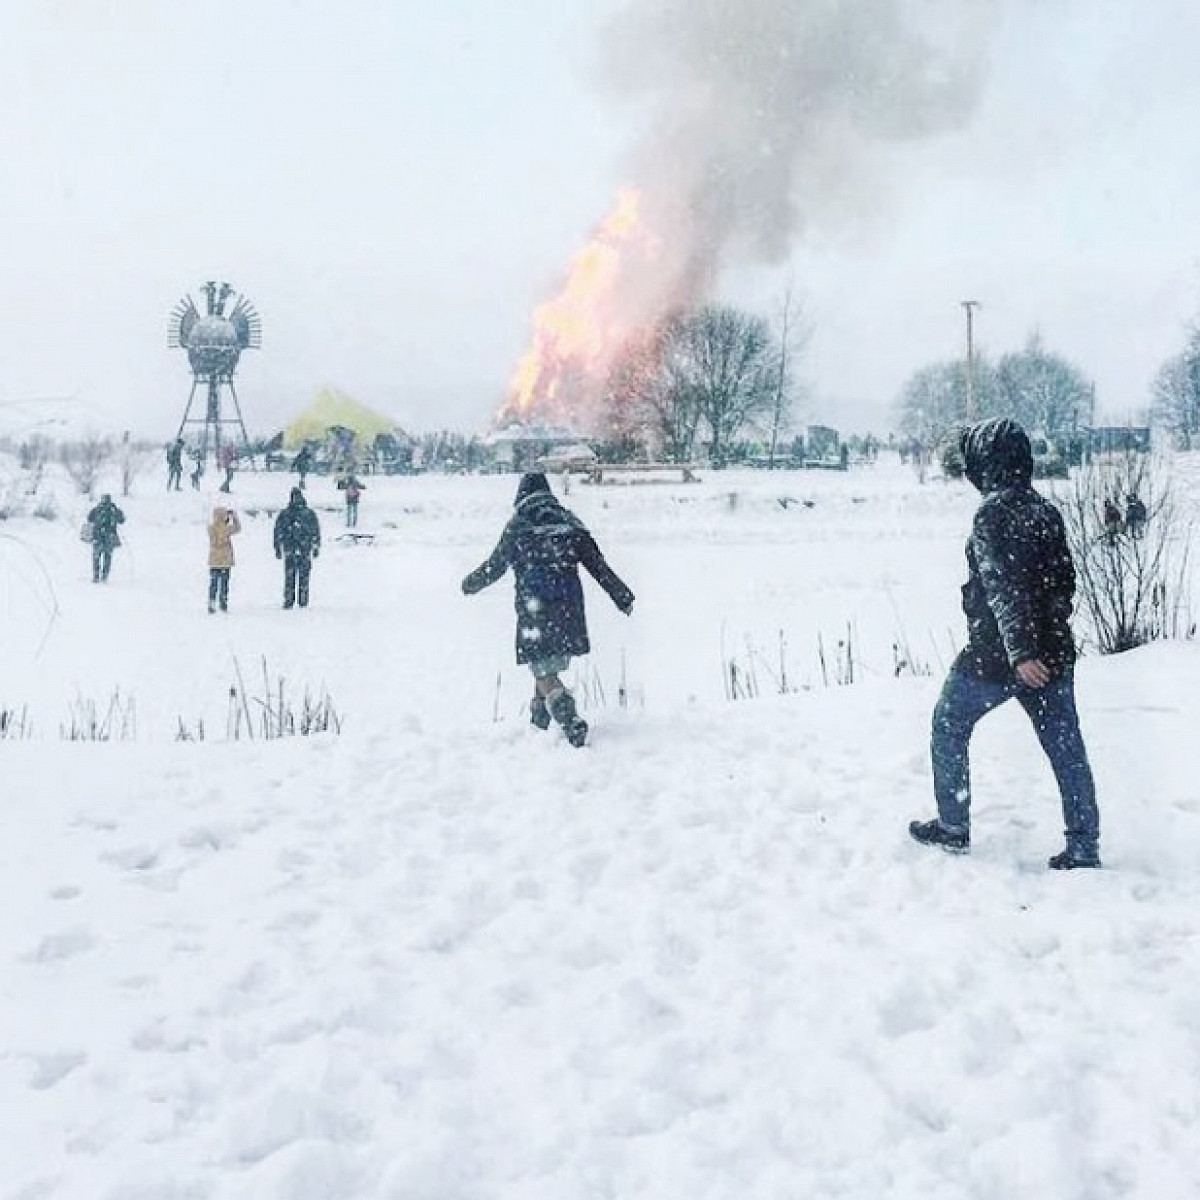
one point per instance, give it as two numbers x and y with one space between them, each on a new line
544 544
1017 600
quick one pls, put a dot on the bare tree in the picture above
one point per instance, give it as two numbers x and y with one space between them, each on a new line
1044 391
733 364
1176 395
792 336
1132 578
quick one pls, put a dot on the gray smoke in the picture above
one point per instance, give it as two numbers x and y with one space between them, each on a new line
767 116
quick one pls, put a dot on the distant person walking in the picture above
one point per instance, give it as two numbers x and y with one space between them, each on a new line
227 461
1135 515
303 463
1112 521
352 489
197 467
103 521
175 465
297 542
544 544
1017 599
221 530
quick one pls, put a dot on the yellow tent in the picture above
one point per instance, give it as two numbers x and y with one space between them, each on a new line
331 408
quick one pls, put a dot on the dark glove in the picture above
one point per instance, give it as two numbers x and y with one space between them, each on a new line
278 553
627 609
316 552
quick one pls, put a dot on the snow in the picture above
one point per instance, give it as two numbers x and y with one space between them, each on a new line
443 956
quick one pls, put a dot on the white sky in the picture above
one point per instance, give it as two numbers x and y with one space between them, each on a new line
396 185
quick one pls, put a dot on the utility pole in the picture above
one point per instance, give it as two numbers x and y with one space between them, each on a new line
969 306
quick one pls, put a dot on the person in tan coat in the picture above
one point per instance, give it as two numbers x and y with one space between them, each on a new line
221 528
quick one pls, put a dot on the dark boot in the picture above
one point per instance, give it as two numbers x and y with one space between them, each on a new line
561 705
934 833
1071 860
539 714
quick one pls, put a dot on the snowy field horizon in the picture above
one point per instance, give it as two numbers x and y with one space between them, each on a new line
443 956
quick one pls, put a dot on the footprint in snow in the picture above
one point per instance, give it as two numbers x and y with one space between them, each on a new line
58 947
51 1069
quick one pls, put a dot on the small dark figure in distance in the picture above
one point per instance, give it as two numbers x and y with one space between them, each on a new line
297 542
197 468
1112 521
303 463
221 528
103 521
1135 515
1017 599
227 460
352 488
544 543
175 465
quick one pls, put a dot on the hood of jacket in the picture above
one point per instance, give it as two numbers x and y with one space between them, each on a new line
997 454
540 512
533 483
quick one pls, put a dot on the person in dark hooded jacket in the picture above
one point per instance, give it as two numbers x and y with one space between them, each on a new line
103 521
1017 600
544 544
297 542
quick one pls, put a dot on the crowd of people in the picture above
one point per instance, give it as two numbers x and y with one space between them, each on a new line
1017 600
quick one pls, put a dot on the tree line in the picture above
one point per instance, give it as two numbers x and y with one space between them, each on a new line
1046 392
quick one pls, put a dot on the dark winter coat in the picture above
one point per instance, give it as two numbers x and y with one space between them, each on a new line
544 544
104 519
1021 578
297 531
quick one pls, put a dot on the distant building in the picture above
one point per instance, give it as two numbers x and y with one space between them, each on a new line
1118 439
823 446
524 447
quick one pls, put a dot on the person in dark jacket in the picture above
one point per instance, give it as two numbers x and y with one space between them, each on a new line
1017 600
352 488
303 463
544 544
1113 523
103 521
175 465
297 542
1135 515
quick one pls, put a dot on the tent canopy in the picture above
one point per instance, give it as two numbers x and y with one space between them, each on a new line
330 408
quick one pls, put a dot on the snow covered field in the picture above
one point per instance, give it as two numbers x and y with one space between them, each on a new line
443 956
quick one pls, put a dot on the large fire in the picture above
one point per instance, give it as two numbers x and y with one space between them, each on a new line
577 335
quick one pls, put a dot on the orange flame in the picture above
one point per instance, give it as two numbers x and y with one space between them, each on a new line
577 334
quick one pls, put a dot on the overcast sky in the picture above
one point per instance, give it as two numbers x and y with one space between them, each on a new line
396 185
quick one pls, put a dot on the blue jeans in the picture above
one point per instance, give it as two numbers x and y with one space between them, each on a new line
965 699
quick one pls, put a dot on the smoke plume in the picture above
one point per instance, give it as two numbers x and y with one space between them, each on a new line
764 116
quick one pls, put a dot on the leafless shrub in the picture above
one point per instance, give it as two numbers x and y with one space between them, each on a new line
274 714
89 721
15 725
189 732
1132 579
84 460
33 455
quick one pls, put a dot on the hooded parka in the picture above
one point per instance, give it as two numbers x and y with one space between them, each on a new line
544 544
1021 577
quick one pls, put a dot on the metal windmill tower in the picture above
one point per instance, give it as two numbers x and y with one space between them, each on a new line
214 341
